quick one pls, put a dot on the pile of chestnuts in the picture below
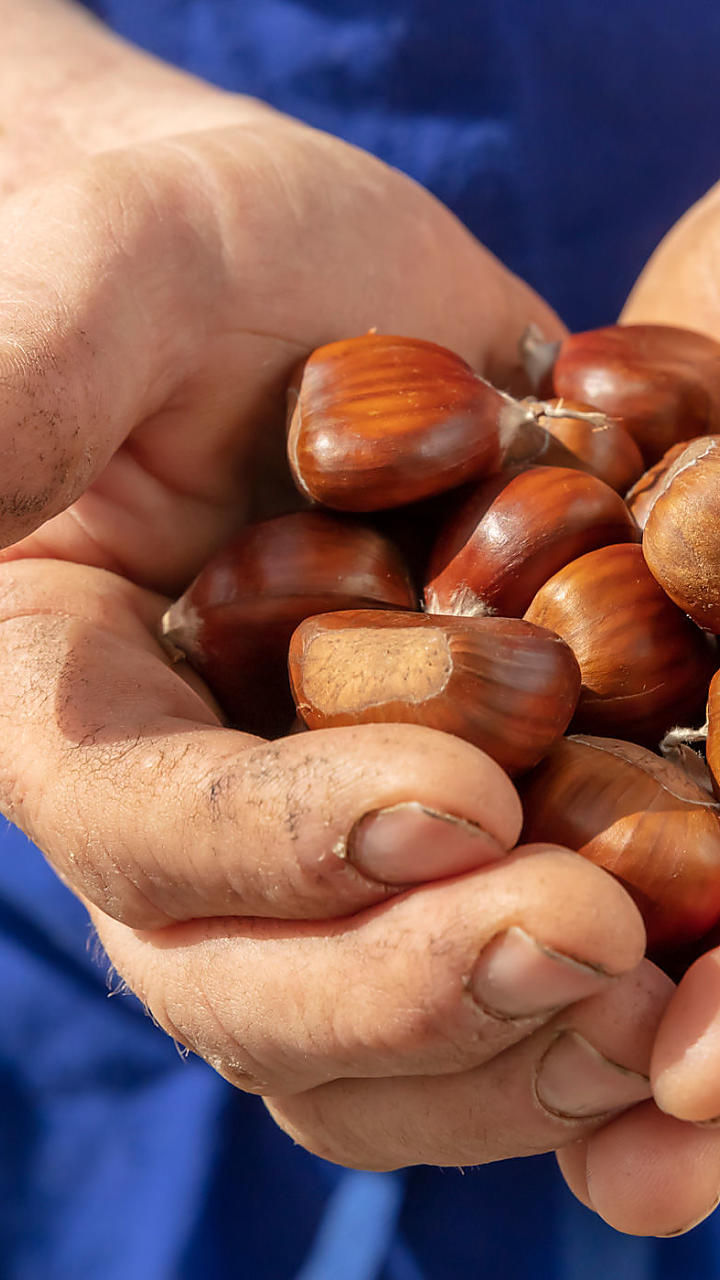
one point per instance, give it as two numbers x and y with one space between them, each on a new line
540 577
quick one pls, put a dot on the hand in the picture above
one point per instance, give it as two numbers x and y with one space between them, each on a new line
679 284
154 300
648 1167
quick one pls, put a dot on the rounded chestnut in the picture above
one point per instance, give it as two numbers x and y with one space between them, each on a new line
234 622
505 685
681 542
380 421
514 531
641 818
645 666
663 383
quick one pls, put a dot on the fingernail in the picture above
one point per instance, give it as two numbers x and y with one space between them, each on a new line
409 843
517 977
576 1082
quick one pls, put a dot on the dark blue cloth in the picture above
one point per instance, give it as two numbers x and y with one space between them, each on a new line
568 136
119 1158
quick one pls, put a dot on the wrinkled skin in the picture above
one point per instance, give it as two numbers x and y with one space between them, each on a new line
169 252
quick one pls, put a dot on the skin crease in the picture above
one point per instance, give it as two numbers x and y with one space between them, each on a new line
154 300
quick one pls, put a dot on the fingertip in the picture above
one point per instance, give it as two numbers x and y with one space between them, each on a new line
649 1174
685 1068
572 1162
612 927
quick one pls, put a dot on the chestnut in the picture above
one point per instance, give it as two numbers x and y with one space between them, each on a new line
681 542
380 421
712 743
513 532
641 818
505 685
641 496
234 622
663 383
598 443
645 666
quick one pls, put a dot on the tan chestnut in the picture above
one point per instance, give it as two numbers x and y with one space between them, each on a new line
681 542
645 666
641 496
513 532
506 686
663 383
234 622
379 421
638 816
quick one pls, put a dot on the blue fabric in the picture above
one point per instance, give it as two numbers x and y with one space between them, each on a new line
568 136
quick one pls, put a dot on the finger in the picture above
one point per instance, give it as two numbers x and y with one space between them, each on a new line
121 773
439 979
686 1060
679 285
572 1161
548 1090
646 1173
156 299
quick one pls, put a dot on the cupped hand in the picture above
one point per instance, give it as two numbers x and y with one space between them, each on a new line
332 919
656 1170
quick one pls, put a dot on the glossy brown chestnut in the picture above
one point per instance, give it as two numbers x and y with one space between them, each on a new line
681 542
506 686
645 666
640 498
639 817
513 532
233 624
379 421
600 444
663 383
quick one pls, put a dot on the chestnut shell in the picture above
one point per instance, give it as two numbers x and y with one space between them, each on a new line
641 818
508 687
661 382
645 665
234 622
